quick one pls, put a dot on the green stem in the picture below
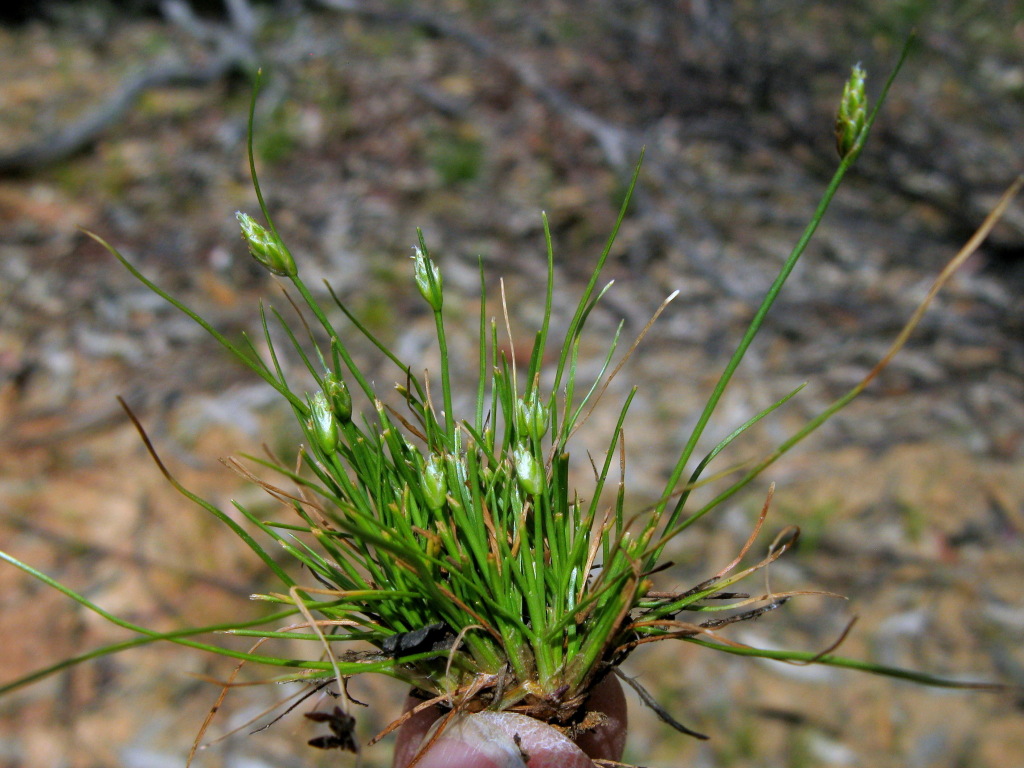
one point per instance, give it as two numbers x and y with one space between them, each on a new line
755 324
810 657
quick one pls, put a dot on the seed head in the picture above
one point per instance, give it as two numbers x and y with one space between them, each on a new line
852 113
528 470
339 397
322 423
531 417
434 483
428 279
266 247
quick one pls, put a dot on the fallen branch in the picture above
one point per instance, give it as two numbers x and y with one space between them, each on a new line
233 50
619 145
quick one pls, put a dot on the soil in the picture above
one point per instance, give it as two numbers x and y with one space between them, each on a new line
911 500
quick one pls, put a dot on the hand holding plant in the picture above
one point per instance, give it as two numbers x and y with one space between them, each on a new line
453 548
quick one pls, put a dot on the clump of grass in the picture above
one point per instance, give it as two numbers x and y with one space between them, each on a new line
453 544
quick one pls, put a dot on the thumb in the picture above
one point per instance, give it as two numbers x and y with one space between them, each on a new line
502 740
511 740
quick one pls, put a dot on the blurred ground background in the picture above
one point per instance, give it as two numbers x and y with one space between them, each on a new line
468 118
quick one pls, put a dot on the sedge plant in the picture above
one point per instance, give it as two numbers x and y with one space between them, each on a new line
452 548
